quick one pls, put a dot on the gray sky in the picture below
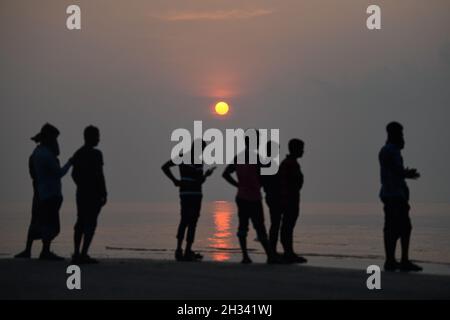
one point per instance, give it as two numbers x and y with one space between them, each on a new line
140 69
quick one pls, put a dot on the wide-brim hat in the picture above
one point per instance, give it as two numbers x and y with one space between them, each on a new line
47 132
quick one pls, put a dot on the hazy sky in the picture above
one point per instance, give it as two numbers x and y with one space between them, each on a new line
140 69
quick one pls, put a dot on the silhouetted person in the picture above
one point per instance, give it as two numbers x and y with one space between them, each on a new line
34 230
272 188
190 184
46 174
395 196
249 202
91 193
291 181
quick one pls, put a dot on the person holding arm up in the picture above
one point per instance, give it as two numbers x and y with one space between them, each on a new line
190 184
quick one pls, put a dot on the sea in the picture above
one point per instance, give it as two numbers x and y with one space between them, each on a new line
342 235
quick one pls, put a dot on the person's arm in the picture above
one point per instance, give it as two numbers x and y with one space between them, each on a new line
208 173
53 167
302 180
63 171
412 174
227 174
398 168
103 191
284 177
166 169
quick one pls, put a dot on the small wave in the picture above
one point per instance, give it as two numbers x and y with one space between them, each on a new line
229 249
368 257
211 249
135 249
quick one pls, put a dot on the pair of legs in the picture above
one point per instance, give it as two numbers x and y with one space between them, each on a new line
84 230
190 212
251 210
44 225
283 221
50 226
397 225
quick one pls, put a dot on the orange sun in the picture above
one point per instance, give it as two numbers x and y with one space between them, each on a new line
222 108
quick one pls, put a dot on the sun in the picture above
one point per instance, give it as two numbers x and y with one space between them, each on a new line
222 108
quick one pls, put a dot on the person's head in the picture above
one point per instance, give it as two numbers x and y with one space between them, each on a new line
48 136
395 134
296 148
91 136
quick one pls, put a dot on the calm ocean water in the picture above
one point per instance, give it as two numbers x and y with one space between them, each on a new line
342 235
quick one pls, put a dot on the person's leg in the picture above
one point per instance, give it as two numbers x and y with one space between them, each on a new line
29 243
257 217
275 221
46 208
31 233
287 229
243 229
405 228
390 234
290 218
90 228
78 228
51 227
194 214
77 237
184 210
46 243
405 235
183 222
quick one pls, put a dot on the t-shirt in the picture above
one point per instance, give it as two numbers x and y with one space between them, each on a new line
191 179
291 179
87 172
392 173
249 183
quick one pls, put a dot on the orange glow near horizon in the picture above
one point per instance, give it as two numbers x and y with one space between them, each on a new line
222 108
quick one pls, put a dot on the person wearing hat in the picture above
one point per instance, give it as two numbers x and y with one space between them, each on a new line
46 174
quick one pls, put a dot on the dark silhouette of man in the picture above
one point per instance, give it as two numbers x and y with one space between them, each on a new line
91 194
395 196
190 184
272 188
249 201
46 174
291 181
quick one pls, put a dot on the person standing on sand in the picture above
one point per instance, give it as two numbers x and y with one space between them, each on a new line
190 184
291 181
394 194
91 193
249 202
34 230
272 188
46 173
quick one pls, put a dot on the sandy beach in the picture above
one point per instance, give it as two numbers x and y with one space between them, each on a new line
160 279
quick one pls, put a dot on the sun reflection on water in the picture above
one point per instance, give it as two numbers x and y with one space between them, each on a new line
222 237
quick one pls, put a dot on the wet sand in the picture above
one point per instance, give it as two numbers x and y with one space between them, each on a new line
160 279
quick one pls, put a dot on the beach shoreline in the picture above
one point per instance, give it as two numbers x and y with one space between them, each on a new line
164 279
